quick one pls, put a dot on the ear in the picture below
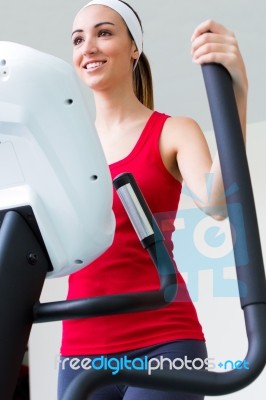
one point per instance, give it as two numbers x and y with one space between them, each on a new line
136 55
135 52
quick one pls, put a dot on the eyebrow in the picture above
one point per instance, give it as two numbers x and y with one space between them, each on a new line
95 26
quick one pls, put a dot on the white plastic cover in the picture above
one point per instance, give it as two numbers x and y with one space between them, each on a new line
51 157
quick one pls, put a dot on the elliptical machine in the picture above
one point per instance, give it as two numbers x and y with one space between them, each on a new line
50 185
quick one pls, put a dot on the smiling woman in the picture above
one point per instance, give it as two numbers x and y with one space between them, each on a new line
161 152
99 44
142 78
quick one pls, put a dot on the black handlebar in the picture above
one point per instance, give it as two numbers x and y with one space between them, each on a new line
237 183
152 240
248 261
23 268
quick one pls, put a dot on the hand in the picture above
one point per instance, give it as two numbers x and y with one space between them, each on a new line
213 42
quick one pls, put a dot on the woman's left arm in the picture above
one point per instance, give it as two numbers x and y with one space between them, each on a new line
212 42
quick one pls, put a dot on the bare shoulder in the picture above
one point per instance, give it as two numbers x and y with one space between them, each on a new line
180 130
182 140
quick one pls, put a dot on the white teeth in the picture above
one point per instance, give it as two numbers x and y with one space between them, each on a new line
94 65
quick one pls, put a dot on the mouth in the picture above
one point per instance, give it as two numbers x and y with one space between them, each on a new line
90 66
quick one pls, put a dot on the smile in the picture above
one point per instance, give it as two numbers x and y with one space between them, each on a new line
94 65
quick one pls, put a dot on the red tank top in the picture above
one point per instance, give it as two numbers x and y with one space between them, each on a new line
126 267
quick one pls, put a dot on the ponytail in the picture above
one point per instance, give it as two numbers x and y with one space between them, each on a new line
142 82
142 77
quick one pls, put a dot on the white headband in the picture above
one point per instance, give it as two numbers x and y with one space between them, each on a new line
128 16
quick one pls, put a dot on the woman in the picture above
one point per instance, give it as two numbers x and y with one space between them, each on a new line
161 152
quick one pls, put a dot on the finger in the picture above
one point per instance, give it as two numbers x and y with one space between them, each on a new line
226 59
210 26
212 38
214 48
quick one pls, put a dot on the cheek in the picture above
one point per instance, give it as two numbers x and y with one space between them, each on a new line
76 58
74 61
122 58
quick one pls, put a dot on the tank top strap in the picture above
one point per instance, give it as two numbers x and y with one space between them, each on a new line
150 135
149 138
148 148
153 128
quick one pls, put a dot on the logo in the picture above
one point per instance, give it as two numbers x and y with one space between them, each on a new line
202 243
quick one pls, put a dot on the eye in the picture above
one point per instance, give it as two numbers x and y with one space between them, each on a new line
77 40
104 32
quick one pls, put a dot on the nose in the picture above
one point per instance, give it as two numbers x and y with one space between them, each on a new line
89 47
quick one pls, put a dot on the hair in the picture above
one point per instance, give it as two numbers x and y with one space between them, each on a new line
142 76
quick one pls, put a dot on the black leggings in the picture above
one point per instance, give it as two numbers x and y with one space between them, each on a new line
194 351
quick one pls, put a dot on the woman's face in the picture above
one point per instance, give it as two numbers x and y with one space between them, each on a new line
103 52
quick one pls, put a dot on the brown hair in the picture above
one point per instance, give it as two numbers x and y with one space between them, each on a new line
142 76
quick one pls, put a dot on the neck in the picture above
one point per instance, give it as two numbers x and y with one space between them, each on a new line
115 107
